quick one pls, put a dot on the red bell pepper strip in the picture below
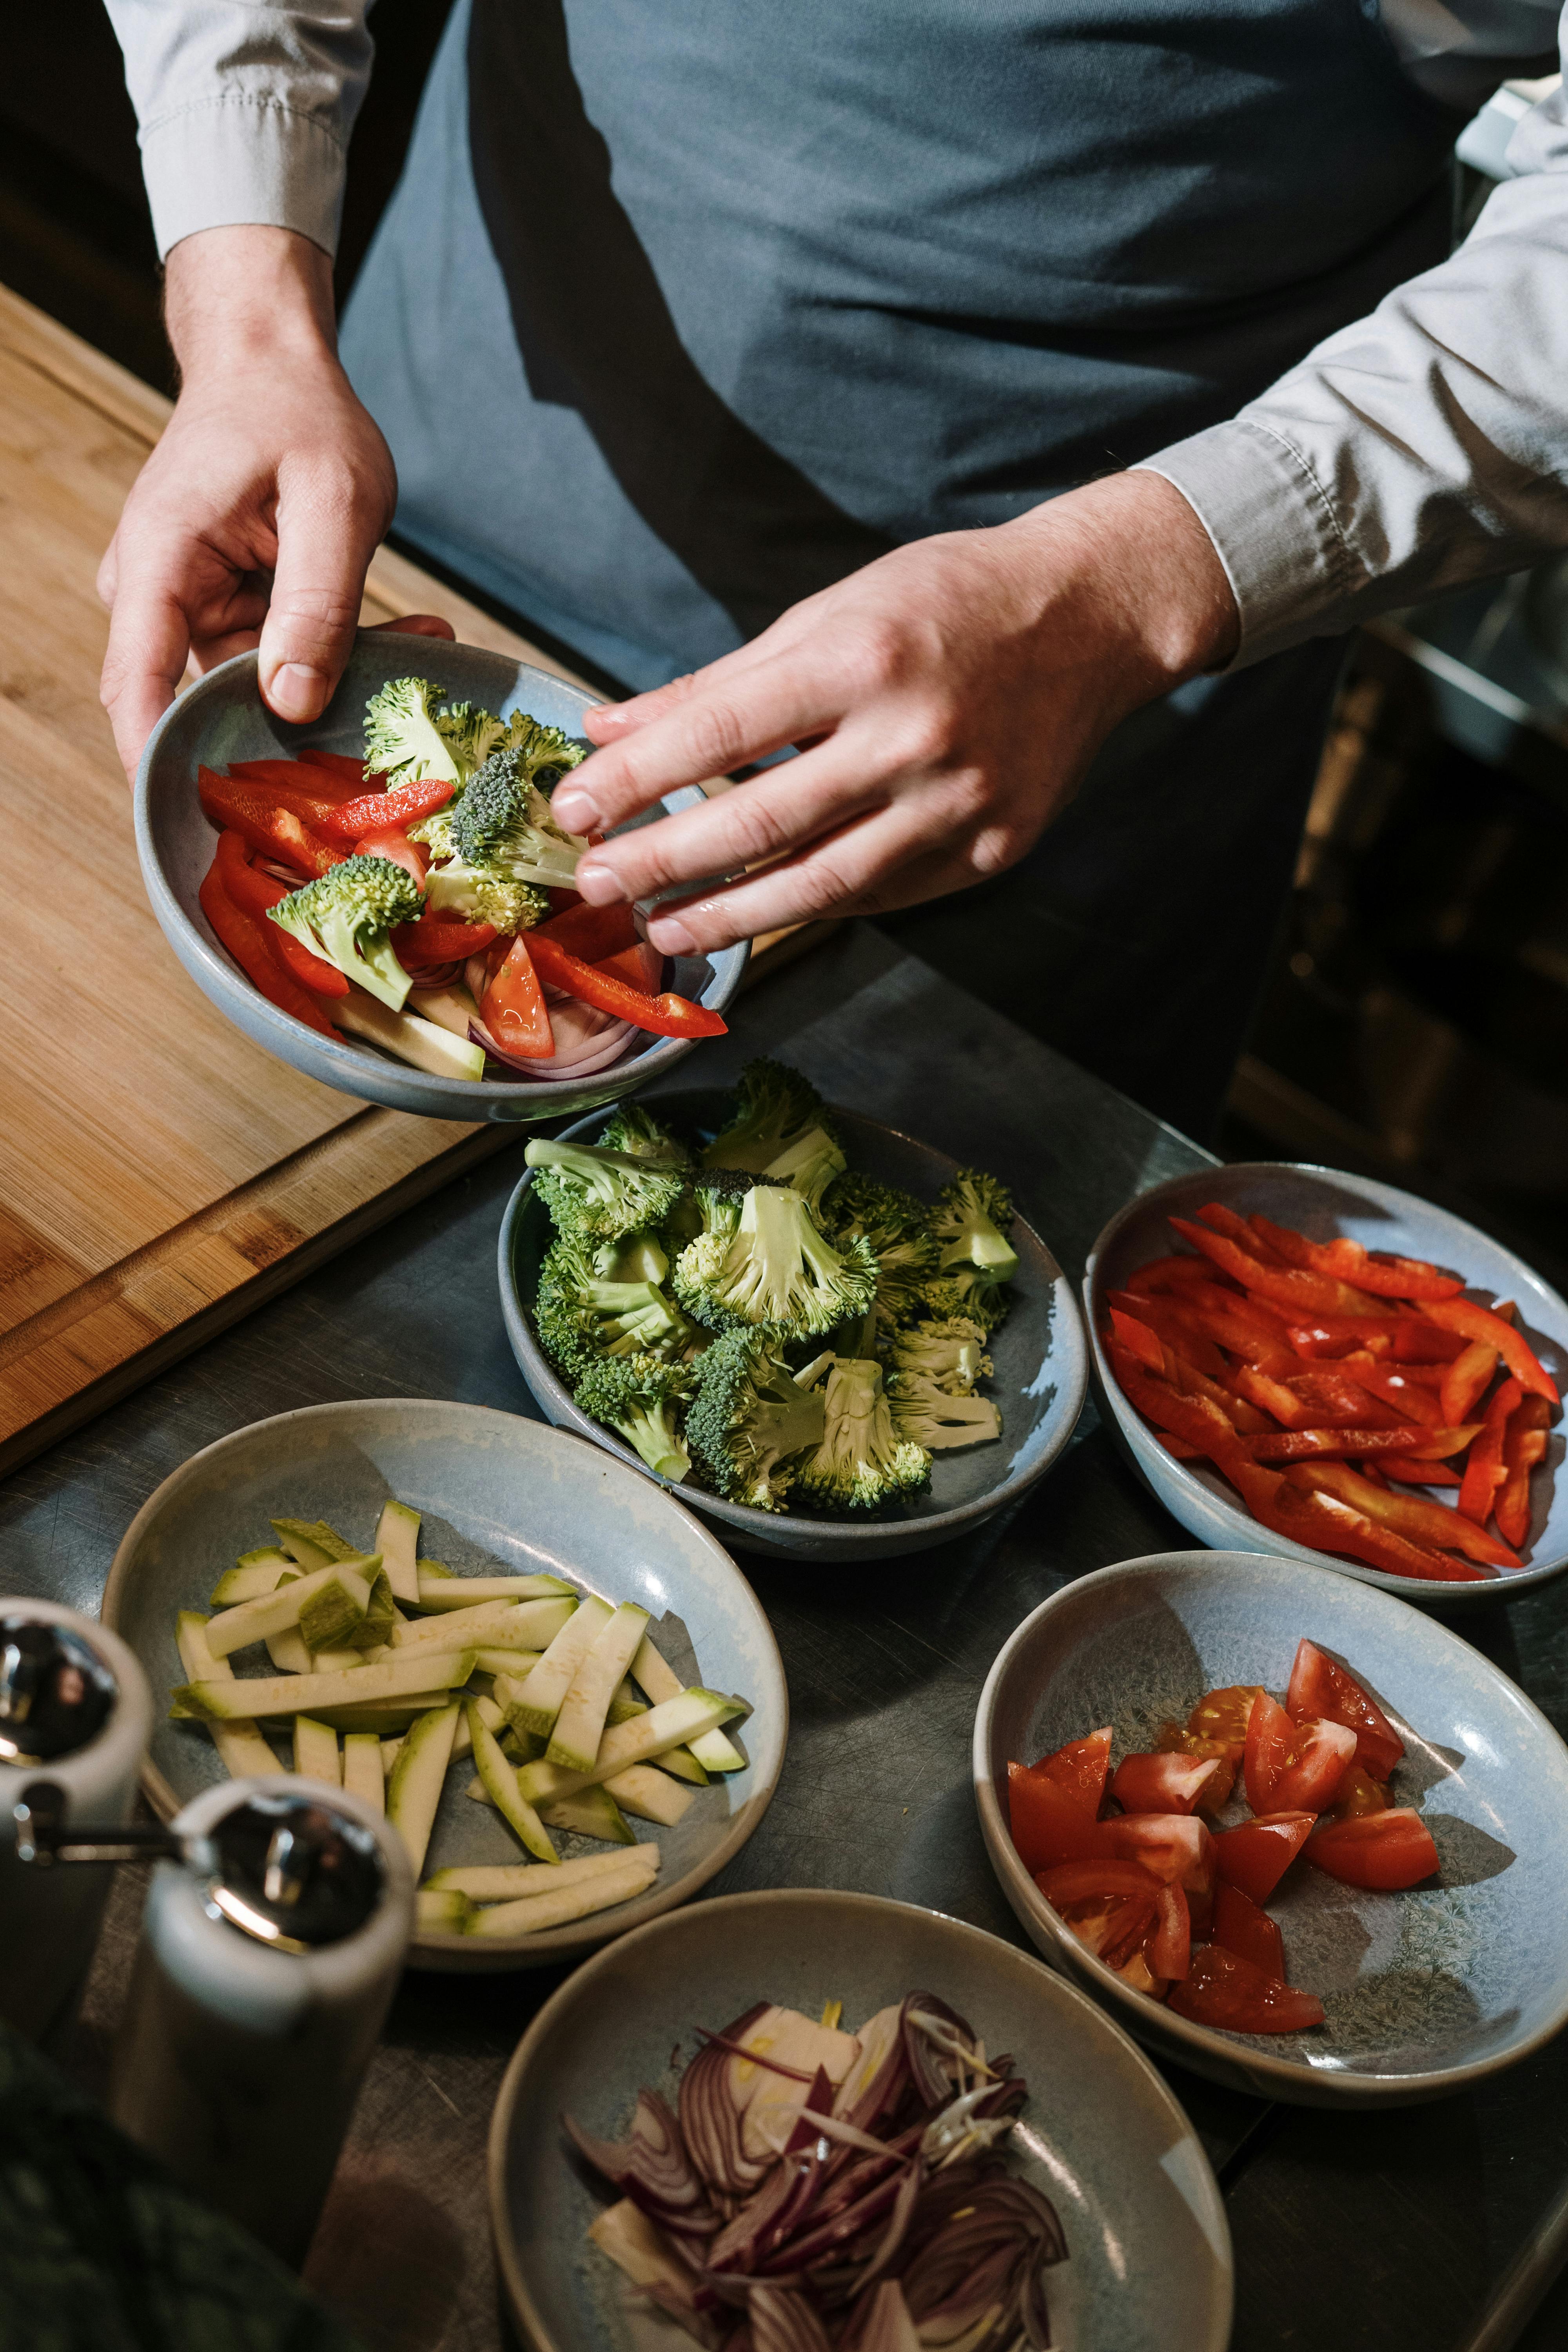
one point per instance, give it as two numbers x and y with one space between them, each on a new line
1423 1521
1484 1471
246 941
1415 1474
253 894
592 932
1227 1321
1163 1273
640 967
310 796
1162 1314
1335 1399
513 1009
1415 1398
1140 1339
432 940
338 763
1187 1380
1240 1230
1410 1440
1387 1276
1473 1322
391 842
273 830
1288 1285
662 1016
1467 1379
404 804
1523 1446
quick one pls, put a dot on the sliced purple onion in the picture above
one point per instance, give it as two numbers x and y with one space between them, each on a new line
752 2057
877 2081
884 2325
782 2319
652 2167
932 2079
711 2121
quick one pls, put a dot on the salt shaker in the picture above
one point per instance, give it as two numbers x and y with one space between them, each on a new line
270 1946
76 1714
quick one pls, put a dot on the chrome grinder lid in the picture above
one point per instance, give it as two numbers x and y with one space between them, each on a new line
56 1692
294 1871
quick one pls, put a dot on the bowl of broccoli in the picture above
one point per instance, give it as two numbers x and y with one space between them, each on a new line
821 1333
496 734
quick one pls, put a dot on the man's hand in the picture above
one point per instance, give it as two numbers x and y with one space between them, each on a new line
945 701
257 515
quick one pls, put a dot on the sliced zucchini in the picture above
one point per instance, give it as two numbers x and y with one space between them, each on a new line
494 1882
534 1913
313 1543
637 1742
515 1663
658 1678
575 1739
448 1592
650 1794
327 1596
363 1775
423 1043
240 1746
391 1715
441 1914
500 1781
534 1703
397 1541
254 1573
682 1763
209 1699
382 1619
499 1624
413 1790
316 1756
591 1812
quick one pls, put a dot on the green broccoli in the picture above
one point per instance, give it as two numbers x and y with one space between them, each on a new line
600 1195
545 752
403 737
776 1109
975 1259
933 1417
950 1354
751 1419
761 1259
635 1258
470 733
497 836
580 1312
638 1397
863 1460
632 1128
345 915
486 898
896 1225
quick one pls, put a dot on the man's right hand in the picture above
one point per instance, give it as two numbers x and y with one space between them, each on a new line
254 520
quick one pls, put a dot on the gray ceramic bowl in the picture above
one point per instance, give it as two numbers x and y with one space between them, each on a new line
500 1495
1149 2266
1426 1991
223 718
1321 1203
1039 1354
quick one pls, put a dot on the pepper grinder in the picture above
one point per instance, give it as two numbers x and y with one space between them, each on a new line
74 1708
271 1943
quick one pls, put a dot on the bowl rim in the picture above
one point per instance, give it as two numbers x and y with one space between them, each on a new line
732 1909
1249 1533
551 1944
224 986
1205 2047
536 1367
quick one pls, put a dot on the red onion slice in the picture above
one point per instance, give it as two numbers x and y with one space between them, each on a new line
783 2320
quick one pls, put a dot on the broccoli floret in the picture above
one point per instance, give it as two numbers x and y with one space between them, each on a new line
546 753
635 1257
761 1259
640 1398
485 898
751 1419
632 1128
470 733
932 1417
403 737
897 1227
974 1258
345 915
580 1313
776 1109
501 834
810 1165
863 1460
600 1195
950 1354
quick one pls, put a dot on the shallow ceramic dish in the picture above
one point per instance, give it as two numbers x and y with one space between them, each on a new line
1321 1203
500 1495
1039 1354
221 717
1426 1991
1149 2263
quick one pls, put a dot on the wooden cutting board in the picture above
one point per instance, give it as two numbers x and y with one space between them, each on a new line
159 1175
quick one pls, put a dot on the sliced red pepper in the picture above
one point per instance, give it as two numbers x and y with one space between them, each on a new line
435 939
662 1016
1523 1446
1335 1400
1413 1514
273 830
1415 1398
404 804
640 967
513 1009
1484 1471
312 796
1229 1321
1415 1474
1143 1343
1163 1315
592 932
1240 1230
338 763
253 894
1415 1443
1467 1379
1189 1381
1385 1276
1169 1273
1473 1322
1288 1285
246 941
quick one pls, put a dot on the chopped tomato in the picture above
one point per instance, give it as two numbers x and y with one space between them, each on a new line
1224 1714
513 1008
1244 1928
1081 1769
1175 1739
1321 1688
1051 1824
1224 1989
1270 1748
1177 1847
1358 1793
1256 1856
1386 1850
1108 1906
1323 1751
1162 1784
390 841
1169 1950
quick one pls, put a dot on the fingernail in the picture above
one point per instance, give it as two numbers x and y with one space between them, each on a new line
574 810
670 936
297 692
599 885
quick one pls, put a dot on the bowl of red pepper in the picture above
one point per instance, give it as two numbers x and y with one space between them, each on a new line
1321 1366
424 1006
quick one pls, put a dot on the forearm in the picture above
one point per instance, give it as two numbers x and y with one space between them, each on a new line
242 297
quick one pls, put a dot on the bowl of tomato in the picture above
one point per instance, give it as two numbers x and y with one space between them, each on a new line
1293 1833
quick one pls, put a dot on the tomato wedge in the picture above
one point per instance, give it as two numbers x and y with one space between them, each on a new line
513 1009
1080 1768
1175 1739
1358 1793
1322 1689
1224 1989
1388 1850
1169 1950
1244 1928
1256 1856
1177 1847
1162 1784
1224 1715
1270 1748
1323 1753
1108 1906
1051 1824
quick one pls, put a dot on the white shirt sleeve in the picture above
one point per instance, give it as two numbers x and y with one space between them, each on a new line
1421 447
245 109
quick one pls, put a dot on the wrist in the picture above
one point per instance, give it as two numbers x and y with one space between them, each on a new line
238 295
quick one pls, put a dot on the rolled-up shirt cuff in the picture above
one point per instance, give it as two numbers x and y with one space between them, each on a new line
234 160
1274 530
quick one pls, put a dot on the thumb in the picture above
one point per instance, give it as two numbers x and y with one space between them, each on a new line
324 547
